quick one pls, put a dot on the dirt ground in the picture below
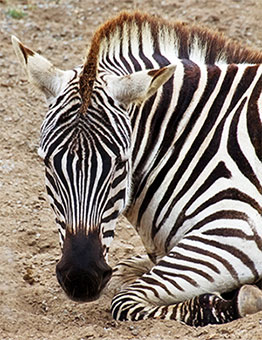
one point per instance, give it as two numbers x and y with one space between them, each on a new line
32 305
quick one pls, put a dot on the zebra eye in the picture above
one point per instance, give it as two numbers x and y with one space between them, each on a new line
119 164
121 161
123 158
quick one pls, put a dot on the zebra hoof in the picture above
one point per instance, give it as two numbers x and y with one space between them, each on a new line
249 300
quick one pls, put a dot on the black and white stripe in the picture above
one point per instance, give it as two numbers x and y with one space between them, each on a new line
193 151
80 153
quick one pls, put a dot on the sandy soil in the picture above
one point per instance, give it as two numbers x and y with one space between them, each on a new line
32 305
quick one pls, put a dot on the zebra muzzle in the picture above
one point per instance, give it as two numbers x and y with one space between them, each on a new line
82 271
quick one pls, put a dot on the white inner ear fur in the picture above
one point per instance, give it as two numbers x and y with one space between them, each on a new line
40 71
138 86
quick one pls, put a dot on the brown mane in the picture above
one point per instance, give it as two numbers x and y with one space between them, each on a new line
217 47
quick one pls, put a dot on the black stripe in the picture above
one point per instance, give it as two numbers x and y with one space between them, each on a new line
181 257
254 118
108 233
153 285
236 153
230 249
211 255
207 155
131 57
219 171
182 268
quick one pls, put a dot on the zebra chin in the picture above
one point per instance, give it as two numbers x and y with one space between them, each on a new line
82 271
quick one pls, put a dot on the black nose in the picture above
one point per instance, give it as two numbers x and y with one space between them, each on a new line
81 284
82 271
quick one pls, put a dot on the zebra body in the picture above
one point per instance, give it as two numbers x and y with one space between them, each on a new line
163 123
215 243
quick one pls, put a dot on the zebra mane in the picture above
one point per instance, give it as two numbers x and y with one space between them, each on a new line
178 40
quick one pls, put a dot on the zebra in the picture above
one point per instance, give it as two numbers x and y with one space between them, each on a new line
161 123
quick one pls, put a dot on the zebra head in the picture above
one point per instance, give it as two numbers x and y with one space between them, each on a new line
87 160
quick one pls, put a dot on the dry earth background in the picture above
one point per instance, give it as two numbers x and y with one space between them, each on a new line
32 305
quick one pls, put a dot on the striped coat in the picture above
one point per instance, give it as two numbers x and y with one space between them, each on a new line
162 123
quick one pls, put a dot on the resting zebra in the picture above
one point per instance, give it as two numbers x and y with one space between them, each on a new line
163 124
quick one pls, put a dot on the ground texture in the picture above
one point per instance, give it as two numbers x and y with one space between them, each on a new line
32 305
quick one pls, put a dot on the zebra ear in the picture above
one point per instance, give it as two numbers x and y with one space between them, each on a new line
39 70
138 86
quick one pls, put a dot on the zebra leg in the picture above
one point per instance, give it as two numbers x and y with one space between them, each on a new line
198 311
127 271
186 284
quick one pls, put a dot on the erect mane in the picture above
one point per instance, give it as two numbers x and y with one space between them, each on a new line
188 41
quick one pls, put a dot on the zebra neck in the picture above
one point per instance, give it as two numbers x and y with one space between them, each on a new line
134 41
161 124
168 130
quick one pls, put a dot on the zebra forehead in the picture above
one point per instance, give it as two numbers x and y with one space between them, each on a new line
186 42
